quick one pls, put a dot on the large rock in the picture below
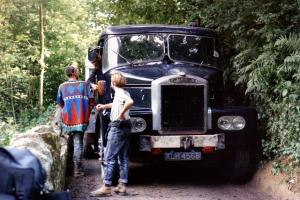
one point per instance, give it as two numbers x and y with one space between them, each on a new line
51 149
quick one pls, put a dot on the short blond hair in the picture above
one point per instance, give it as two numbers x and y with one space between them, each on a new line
117 79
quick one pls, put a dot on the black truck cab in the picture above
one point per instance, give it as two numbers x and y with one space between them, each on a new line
175 78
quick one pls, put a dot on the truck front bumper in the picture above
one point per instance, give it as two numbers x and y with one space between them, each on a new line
148 142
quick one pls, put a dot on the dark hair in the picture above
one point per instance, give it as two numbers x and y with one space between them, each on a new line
196 21
93 52
70 70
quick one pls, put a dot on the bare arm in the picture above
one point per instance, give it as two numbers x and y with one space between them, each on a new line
103 106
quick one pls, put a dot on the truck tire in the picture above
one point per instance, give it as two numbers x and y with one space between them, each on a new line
239 166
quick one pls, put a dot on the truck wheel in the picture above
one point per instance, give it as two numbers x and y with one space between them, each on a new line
239 166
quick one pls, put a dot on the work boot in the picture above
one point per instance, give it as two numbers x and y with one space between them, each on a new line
78 172
120 189
103 191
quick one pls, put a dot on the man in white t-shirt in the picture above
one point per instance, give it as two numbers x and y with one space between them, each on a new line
117 140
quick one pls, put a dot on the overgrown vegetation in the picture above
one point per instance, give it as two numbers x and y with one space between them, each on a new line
66 39
259 40
26 121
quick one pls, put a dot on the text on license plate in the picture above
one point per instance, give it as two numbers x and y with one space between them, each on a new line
182 156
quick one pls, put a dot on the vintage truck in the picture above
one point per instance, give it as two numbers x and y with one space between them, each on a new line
175 78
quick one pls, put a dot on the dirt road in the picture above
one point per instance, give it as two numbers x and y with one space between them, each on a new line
165 182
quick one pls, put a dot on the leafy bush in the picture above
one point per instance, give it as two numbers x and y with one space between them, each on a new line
273 79
7 129
28 119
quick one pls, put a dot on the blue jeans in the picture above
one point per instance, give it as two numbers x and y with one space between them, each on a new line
78 146
116 150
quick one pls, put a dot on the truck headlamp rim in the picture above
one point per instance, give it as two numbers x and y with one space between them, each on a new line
231 122
238 122
224 123
138 124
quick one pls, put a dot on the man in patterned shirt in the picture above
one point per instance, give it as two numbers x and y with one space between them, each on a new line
75 99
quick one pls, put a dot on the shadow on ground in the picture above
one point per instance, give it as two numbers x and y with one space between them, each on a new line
172 173
157 181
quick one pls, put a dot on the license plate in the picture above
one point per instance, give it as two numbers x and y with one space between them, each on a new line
173 156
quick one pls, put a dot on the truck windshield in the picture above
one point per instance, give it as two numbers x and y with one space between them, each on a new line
132 49
190 48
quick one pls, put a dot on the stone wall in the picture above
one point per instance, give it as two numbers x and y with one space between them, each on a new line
51 149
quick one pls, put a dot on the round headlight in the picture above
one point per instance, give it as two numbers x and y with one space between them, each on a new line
238 123
138 124
224 123
231 123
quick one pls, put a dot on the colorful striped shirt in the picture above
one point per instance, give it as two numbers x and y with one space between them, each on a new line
75 99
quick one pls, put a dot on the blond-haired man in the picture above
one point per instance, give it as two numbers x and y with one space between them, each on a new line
117 140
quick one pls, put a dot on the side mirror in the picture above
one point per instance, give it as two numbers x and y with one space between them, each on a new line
101 88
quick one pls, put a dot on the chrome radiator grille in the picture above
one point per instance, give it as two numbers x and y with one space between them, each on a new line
182 107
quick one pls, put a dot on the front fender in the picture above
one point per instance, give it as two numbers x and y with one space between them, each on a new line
245 137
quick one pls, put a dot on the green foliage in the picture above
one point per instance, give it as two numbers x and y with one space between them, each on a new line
126 12
66 39
28 119
8 129
267 66
67 35
273 80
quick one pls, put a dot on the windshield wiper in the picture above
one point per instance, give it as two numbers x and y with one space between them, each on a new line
122 57
202 64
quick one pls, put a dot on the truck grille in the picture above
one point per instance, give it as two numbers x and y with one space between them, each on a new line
182 107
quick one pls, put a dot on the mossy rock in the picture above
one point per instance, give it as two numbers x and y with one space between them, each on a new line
51 150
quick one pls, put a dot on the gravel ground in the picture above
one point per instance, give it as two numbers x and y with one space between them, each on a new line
165 182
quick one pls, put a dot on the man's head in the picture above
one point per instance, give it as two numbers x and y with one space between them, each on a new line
118 80
95 55
196 22
71 71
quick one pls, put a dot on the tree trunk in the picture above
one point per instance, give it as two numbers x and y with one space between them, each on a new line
42 55
10 82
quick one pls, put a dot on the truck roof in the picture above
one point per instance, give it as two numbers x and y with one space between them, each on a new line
176 29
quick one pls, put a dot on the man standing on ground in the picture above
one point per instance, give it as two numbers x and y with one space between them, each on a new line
95 57
118 138
75 98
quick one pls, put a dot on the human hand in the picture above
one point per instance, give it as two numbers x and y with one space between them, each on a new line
94 86
100 106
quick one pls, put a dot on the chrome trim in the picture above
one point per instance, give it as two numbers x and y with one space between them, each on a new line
147 142
231 118
134 76
209 118
156 97
133 123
